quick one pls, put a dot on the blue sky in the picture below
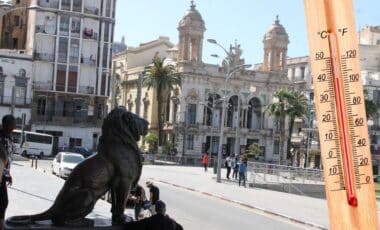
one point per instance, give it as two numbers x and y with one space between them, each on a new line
226 20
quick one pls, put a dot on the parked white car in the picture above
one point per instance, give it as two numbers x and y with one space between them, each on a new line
64 163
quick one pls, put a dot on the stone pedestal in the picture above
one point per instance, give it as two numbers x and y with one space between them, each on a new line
89 224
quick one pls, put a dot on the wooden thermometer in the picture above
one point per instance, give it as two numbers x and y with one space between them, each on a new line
341 116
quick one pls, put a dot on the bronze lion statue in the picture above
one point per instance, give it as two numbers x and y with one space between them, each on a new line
117 167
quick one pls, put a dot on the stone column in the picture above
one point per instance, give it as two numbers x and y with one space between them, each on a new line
246 118
171 112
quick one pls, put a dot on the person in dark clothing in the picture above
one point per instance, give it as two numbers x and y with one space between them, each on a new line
6 148
159 221
242 171
138 198
154 195
235 168
228 166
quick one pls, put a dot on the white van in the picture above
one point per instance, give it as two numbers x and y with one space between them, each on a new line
32 144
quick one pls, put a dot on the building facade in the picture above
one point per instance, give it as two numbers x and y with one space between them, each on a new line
14 25
70 43
16 70
192 112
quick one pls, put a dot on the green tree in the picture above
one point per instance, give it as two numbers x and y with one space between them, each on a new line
167 147
289 103
151 139
370 108
254 150
162 78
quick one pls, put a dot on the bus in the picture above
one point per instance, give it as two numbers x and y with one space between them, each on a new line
32 143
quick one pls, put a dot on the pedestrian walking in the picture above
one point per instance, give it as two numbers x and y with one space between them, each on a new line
205 161
228 166
235 168
159 221
154 195
242 171
6 149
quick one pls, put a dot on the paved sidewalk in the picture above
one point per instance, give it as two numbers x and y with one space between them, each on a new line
310 211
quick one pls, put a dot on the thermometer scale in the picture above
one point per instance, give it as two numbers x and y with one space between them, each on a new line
340 107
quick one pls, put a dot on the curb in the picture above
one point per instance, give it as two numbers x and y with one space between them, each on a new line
245 205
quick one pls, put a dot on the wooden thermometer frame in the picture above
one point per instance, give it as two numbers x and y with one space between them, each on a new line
340 107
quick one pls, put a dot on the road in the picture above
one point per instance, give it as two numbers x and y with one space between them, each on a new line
197 211
192 210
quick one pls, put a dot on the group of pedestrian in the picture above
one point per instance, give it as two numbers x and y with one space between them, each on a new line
6 152
159 219
142 202
239 167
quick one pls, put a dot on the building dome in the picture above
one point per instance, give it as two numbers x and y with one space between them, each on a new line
276 31
192 19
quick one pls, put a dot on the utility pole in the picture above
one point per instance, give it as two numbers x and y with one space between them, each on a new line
23 128
13 102
184 133
237 139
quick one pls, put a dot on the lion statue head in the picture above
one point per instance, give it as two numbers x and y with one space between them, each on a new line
123 125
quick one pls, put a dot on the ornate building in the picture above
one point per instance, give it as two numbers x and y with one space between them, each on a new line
192 113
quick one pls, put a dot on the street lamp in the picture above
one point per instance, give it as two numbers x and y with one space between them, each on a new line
231 69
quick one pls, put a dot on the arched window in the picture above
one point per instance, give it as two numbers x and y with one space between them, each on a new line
213 110
232 112
254 114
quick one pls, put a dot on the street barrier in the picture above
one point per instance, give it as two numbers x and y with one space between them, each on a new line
256 171
34 162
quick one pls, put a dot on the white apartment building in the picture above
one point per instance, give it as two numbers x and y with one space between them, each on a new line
71 45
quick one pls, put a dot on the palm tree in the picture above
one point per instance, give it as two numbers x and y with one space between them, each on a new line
278 110
297 109
292 104
160 77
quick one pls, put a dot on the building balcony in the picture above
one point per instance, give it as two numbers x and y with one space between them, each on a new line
43 86
167 126
91 10
62 57
73 59
86 89
88 61
266 132
65 6
49 4
46 29
88 121
8 100
89 33
44 57
77 7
